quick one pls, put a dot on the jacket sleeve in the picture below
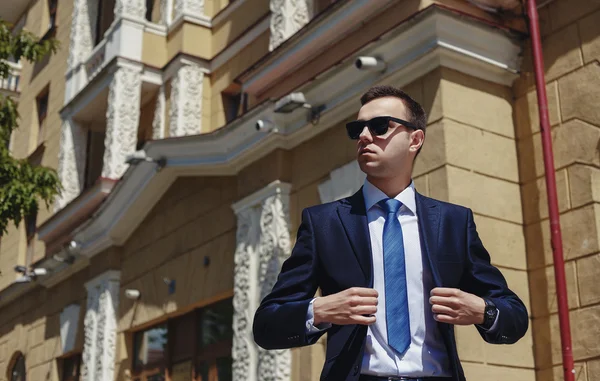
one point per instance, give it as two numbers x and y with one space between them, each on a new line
280 321
483 279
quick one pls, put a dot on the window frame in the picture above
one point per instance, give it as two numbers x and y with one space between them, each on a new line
52 14
44 95
63 361
198 355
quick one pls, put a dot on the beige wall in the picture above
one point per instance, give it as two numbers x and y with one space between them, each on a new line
571 35
34 79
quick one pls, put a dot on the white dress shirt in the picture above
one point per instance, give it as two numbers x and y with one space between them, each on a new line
426 356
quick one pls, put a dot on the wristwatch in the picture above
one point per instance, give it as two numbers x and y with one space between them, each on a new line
489 314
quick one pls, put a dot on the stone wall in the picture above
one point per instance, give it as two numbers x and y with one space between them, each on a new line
571 43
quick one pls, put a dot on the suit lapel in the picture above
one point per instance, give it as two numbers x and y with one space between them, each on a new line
353 216
428 213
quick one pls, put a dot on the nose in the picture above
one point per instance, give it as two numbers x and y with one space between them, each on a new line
365 136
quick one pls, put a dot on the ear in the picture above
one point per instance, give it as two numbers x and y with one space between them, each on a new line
417 138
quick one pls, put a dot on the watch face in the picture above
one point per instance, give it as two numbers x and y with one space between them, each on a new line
490 312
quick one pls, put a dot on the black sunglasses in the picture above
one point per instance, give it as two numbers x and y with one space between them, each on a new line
378 126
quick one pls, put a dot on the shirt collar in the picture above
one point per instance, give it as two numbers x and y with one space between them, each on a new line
373 195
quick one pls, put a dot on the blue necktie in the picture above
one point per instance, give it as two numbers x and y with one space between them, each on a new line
396 296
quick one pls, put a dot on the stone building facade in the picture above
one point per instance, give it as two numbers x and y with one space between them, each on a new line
177 211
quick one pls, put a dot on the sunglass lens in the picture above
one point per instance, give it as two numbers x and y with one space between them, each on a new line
355 129
379 126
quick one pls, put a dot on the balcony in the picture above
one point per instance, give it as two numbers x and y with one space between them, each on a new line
123 39
11 84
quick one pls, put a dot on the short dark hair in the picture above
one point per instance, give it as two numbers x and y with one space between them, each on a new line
416 114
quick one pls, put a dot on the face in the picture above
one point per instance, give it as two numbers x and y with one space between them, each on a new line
392 154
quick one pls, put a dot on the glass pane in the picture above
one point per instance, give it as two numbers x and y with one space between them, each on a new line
71 368
215 322
150 346
183 340
224 368
18 371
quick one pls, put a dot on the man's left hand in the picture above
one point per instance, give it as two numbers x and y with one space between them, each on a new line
453 306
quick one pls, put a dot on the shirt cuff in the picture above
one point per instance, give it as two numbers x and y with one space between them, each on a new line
310 320
494 326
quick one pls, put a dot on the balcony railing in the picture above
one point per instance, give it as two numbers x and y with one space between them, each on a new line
12 81
96 61
123 39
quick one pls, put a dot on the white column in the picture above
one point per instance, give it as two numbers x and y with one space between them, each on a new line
71 162
158 122
122 120
287 17
69 326
192 8
343 182
262 244
130 8
166 11
83 31
100 327
186 101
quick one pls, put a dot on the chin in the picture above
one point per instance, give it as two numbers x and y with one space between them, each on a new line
371 168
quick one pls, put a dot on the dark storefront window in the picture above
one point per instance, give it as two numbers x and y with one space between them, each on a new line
195 346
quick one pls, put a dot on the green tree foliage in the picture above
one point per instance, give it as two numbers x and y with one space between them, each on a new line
22 185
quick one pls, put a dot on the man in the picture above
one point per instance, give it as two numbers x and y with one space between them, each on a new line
397 270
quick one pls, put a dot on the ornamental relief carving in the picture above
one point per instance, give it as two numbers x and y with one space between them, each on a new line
263 243
186 102
71 162
189 7
130 8
287 17
83 27
122 120
100 328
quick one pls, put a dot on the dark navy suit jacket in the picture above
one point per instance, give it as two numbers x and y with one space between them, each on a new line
333 252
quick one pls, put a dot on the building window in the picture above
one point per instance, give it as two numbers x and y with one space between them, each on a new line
30 230
150 349
94 157
52 5
42 113
17 372
231 105
106 15
195 346
70 368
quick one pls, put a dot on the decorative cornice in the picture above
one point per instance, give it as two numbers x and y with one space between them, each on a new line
275 188
107 276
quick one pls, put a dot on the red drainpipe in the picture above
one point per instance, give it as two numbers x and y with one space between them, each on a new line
556 238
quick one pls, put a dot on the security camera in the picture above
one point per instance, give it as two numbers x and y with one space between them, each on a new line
20 269
265 126
132 294
370 64
23 279
39 271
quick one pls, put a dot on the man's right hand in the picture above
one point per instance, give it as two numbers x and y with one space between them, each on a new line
355 305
